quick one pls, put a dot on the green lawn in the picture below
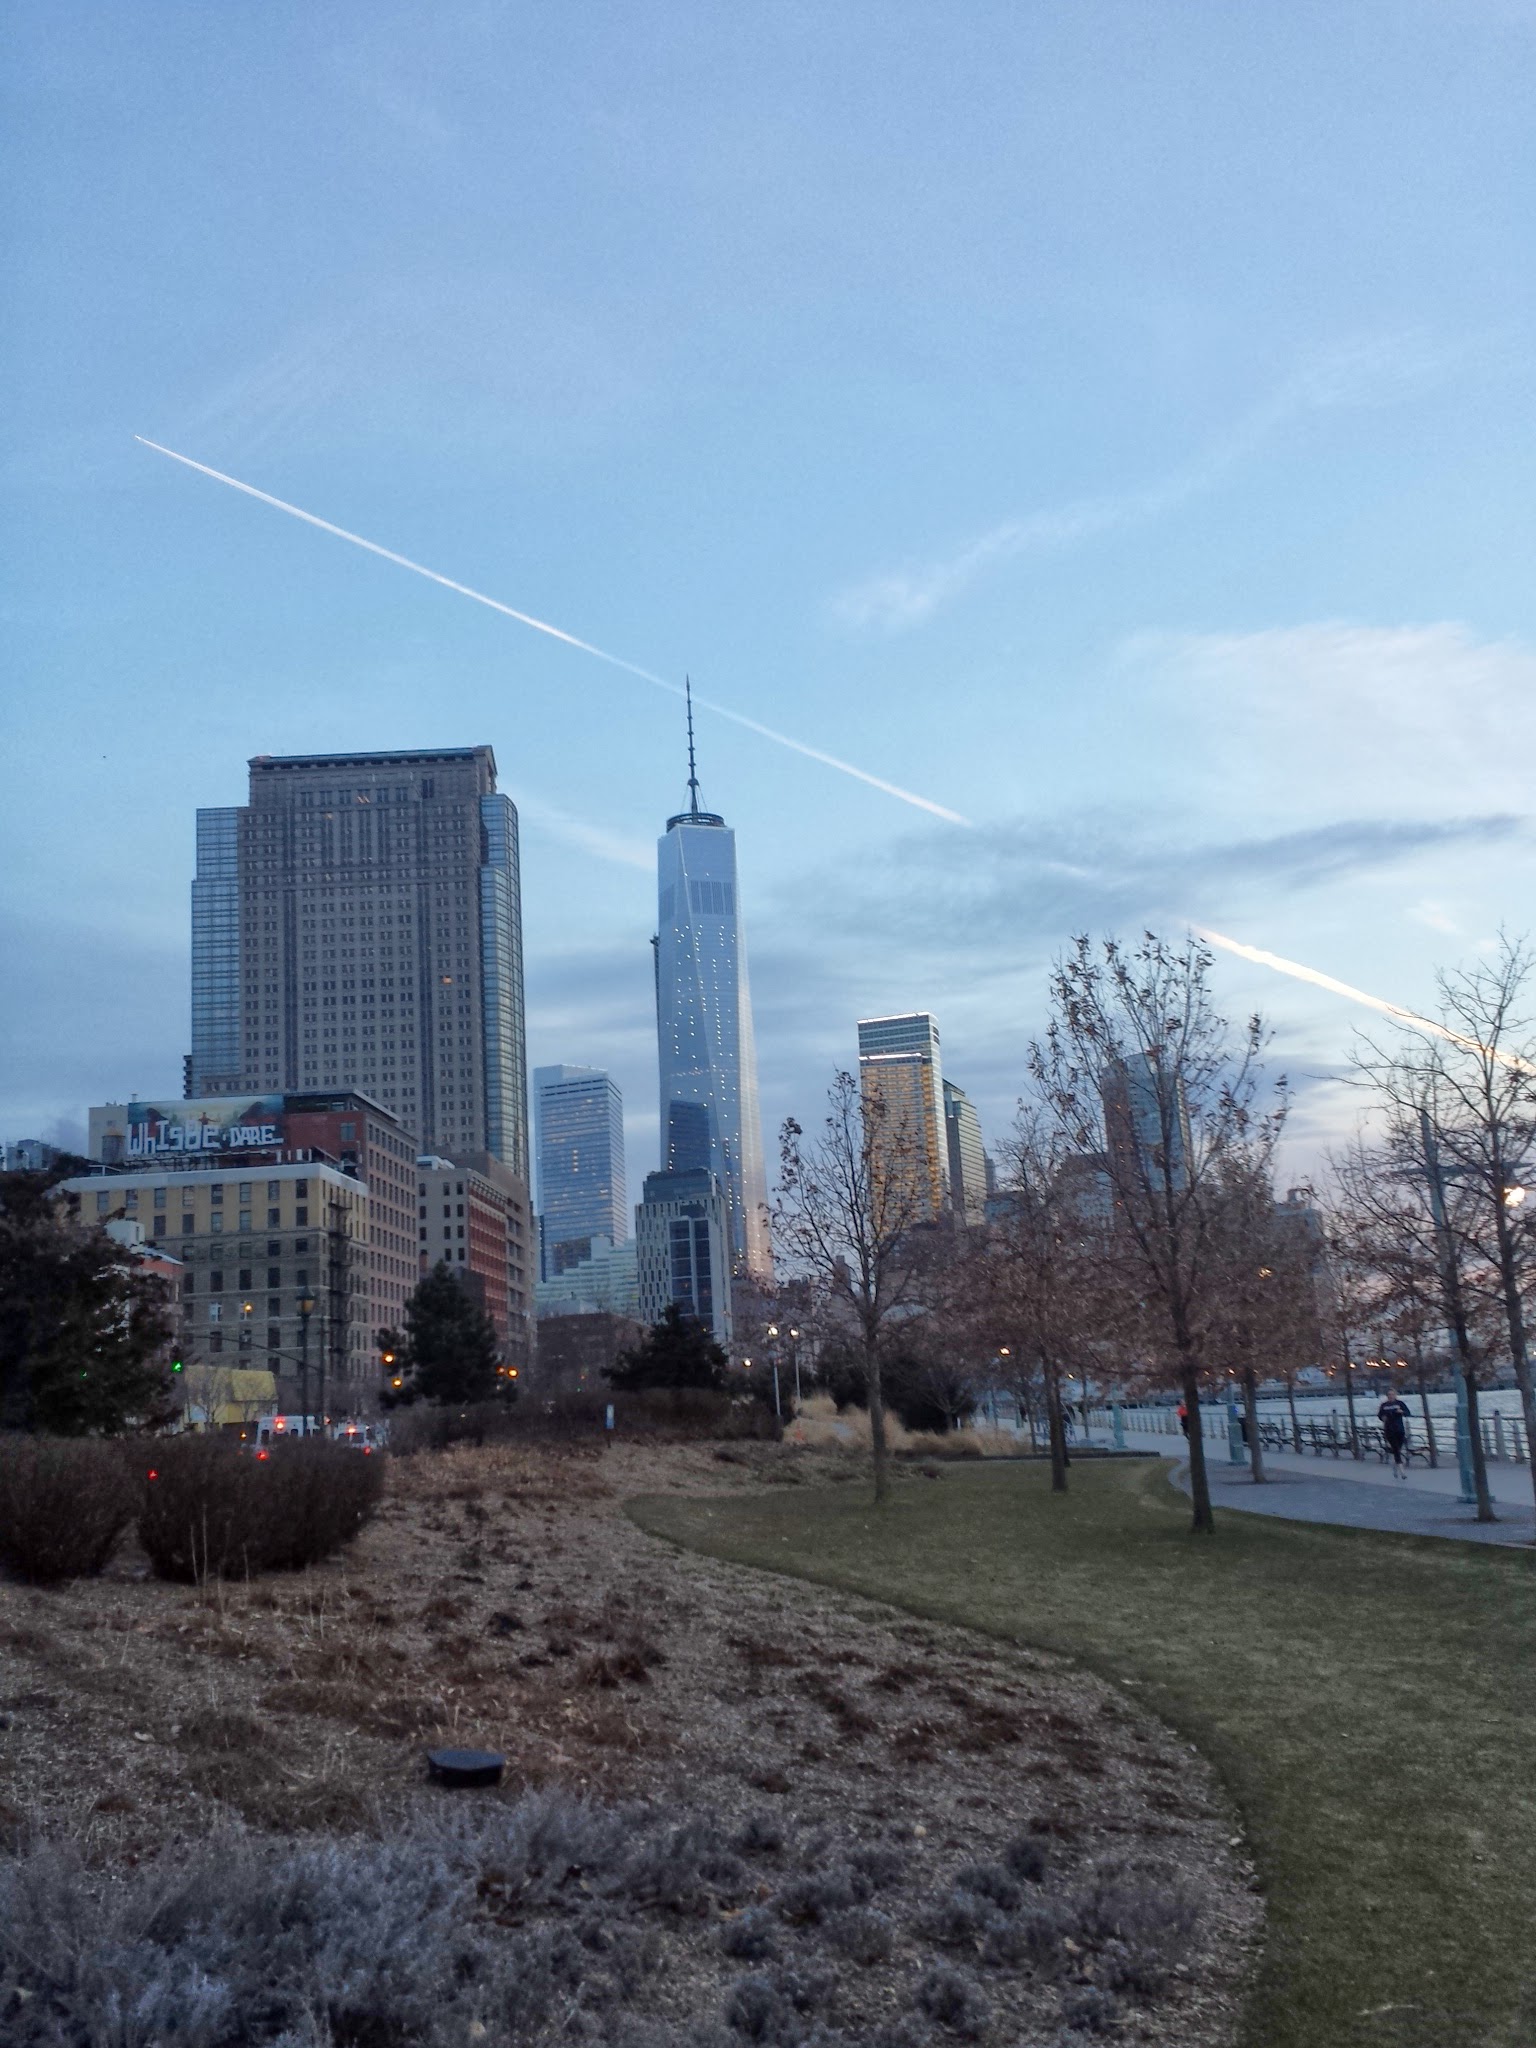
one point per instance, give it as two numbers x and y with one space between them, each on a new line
1370 1701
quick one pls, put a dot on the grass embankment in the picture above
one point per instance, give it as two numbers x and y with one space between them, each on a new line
1369 1700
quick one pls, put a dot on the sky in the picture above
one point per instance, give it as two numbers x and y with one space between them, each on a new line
1108 420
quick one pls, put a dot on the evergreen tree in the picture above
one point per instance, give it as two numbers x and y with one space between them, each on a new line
676 1352
83 1331
450 1350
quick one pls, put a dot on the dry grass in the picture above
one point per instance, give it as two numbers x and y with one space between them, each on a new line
600 1661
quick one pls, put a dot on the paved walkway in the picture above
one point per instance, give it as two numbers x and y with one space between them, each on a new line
1360 1496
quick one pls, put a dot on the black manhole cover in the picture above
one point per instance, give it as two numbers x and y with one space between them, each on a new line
466 1766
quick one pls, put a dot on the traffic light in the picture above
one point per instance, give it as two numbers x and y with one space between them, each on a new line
175 1365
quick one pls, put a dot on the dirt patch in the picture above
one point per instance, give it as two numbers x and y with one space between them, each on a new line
1038 1855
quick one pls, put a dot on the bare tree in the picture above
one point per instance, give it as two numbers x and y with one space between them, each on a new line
1136 1050
1041 1267
849 1210
1468 1093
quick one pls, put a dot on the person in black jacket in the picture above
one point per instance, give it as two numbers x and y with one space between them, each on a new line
1393 1417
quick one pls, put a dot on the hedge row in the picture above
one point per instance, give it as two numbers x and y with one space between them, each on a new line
204 1506
658 1414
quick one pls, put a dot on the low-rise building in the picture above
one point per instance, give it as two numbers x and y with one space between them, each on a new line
245 1135
606 1281
275 1267
469 1220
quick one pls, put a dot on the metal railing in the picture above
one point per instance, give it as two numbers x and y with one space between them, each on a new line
1504 1436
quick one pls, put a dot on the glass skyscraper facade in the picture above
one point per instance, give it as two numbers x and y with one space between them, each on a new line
710 1118
216 1036
578 1116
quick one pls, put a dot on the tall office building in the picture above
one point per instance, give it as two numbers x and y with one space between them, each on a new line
358 925
899 1068
966 1155
710 1120
578 1116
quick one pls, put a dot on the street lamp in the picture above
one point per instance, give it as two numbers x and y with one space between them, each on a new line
306 1310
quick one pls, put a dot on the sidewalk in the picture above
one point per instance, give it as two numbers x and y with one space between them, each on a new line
1358 1495
1510 1484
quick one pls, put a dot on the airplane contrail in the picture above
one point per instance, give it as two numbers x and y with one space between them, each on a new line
766 732
1318 979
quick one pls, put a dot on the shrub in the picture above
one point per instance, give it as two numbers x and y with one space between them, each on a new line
664 1414
209 1508
1025 1859
959 1920
1090 2011
1140 1920
64 1502
989 1881
862 1935
882 1863
760 1835
954 2000
807 1901
750 1938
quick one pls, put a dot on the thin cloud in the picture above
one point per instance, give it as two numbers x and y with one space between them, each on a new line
1370 371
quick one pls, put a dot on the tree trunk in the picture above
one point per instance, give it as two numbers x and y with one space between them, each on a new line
876 1397
1290 1395
1349 1396
1429 1426
1199 1483
1474 1431
1251 1415
1509 1286
1056 1426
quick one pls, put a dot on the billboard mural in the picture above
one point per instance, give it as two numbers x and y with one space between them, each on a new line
123 1131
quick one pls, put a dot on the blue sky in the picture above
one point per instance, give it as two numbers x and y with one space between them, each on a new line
1111 421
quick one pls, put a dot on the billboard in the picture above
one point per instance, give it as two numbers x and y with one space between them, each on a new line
124 1131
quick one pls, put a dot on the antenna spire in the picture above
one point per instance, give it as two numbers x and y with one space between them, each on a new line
693 778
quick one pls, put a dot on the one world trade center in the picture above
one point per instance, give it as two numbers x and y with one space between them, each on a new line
709 1110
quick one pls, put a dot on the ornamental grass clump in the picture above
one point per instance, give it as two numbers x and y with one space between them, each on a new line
210 1508
64 1502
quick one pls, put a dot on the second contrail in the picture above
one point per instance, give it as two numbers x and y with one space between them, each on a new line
372 547
1318 979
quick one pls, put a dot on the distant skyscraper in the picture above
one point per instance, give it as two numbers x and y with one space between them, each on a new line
710 1120
1146 1124
968 1184
682 1250
358 925
579 1125
899 1067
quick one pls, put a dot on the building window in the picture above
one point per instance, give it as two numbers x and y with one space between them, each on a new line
274 1248
349 1132
245 1219
216 1194
103 1204
216 1280
301 1244
274 1276
275 1189
245 1279
274 1307
301 1190
189 1224
159 1198
274 1339
275 1217
301 1215
216 1340
245 1340
159 1226
245 1191
215 1311
301 1278
188 1283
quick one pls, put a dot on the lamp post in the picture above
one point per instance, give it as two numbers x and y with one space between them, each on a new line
794 1361
306 1310
773 1362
